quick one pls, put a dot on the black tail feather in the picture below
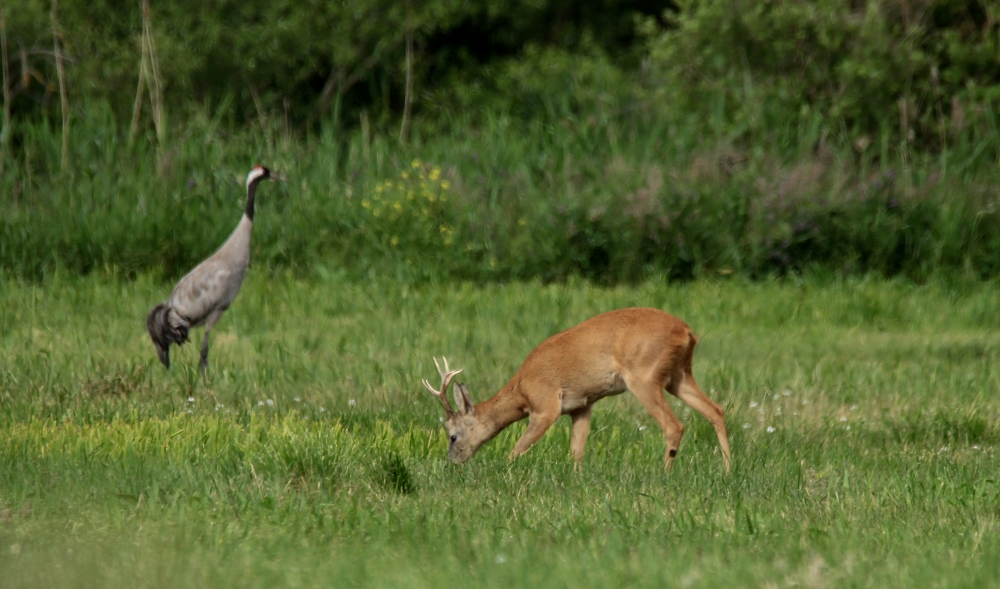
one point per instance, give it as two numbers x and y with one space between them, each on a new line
163 333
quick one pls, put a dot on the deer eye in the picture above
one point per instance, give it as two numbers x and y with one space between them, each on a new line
454 438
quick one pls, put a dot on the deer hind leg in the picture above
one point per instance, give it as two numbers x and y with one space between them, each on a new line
581 427
650 394
683 386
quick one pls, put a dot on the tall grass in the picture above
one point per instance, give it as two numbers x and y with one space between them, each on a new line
611 196
862 415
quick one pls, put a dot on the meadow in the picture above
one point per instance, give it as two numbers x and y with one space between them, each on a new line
862 413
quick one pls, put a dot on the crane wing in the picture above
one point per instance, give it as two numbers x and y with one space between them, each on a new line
208 288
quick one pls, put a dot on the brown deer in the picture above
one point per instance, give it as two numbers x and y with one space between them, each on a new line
640 350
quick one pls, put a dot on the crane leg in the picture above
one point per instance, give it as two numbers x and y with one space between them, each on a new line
204 353
209 324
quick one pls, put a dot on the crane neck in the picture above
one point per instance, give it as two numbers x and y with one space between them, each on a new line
251 192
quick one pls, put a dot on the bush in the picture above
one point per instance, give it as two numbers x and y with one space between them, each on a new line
923 72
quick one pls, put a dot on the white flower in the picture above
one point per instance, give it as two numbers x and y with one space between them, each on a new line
775 397
753 404
770 429
842 419
943 449
848 428
190 399
270 402
352 402
787 393
854 407
501 558
298 399
804 401
260 403
746 426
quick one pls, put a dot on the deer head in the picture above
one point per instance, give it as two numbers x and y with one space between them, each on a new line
464 437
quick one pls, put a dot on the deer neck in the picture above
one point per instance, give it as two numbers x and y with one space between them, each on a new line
497 412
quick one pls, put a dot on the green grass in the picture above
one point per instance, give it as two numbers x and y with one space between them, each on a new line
313 457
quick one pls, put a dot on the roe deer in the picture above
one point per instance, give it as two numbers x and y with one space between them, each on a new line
640 350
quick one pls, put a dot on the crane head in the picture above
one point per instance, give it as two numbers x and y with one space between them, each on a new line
259 172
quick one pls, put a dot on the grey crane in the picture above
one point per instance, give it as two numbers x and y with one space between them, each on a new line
206 292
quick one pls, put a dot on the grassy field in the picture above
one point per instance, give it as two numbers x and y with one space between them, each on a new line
863 417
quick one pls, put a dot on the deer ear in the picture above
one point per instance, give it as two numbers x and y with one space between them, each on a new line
462 399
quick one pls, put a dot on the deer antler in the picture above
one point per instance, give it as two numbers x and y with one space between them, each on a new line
446 375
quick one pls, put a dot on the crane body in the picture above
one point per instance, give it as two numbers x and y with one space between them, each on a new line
204 294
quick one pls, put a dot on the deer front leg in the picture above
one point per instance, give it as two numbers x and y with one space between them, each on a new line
537 424
581 427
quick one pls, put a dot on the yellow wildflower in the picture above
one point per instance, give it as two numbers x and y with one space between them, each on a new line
521 222
394 241
445 185
435 173
415 164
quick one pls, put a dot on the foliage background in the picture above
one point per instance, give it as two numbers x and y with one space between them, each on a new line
615 140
